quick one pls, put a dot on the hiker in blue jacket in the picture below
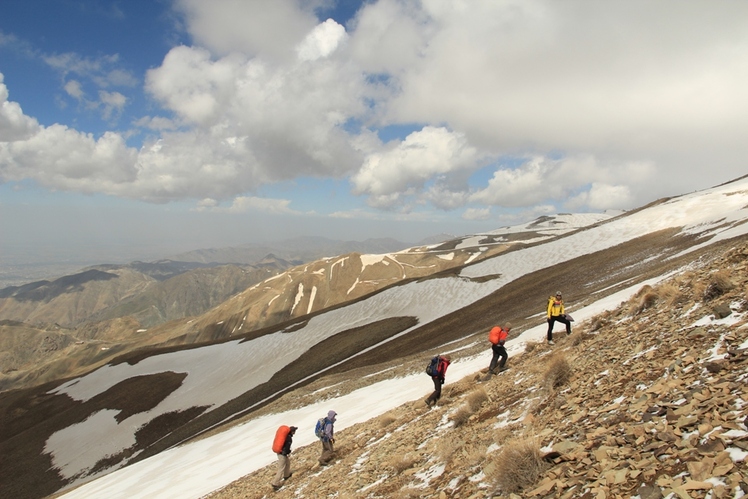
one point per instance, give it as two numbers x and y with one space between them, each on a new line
328 439
438 379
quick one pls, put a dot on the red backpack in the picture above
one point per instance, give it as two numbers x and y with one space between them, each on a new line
497 335
280 438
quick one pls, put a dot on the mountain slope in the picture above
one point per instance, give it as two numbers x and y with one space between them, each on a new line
115 316
644 398
647 400
225 380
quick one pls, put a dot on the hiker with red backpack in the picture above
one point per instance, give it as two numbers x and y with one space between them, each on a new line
437 376
497 337
282 447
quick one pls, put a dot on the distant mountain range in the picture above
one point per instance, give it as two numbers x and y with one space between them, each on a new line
296 250
119 308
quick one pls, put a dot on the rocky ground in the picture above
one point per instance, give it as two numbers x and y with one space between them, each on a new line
649 401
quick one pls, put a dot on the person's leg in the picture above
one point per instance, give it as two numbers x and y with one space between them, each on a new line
327 452
279 474
551 322
435 394
568 325
494 359
504 357
287 468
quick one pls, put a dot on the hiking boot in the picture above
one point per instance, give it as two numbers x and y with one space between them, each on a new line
289 476
550 342
276 487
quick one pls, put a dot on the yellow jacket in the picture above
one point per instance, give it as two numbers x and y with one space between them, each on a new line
555 308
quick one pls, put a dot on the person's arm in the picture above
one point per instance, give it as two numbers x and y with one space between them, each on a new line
287 445
329 431
550 307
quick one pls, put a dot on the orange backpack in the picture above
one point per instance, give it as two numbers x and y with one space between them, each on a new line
280 438
496 335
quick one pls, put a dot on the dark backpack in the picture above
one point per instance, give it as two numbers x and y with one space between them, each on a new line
431 369
319 430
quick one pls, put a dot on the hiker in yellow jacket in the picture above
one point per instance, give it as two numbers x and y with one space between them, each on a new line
556 313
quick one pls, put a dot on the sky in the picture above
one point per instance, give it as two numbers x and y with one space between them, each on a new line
135 129
714 215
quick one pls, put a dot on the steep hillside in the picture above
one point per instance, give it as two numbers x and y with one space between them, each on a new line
648 400
149 401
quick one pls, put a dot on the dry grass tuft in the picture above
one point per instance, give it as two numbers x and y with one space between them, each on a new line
402 462
719 284
643 291
558 372
532 345
671 294
386 419
519 466
476 398
474 455
599 321
461 415
578 339
644 299
446 448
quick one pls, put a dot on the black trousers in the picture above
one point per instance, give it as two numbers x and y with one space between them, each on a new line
498 351
437 389
552 321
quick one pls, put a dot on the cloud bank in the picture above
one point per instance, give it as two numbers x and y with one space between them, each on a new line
520 105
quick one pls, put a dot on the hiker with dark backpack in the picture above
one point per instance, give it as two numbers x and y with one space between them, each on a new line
437 376
282 447
324 430
497 337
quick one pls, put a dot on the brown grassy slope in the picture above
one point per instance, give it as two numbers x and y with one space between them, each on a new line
645 409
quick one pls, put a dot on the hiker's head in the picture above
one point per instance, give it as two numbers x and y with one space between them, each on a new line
448 358
508 326
292 430
331 415
558 295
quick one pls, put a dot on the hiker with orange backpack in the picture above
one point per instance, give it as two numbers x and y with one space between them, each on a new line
497 337
282 447
438 376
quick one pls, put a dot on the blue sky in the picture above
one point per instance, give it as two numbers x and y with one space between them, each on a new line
136 129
